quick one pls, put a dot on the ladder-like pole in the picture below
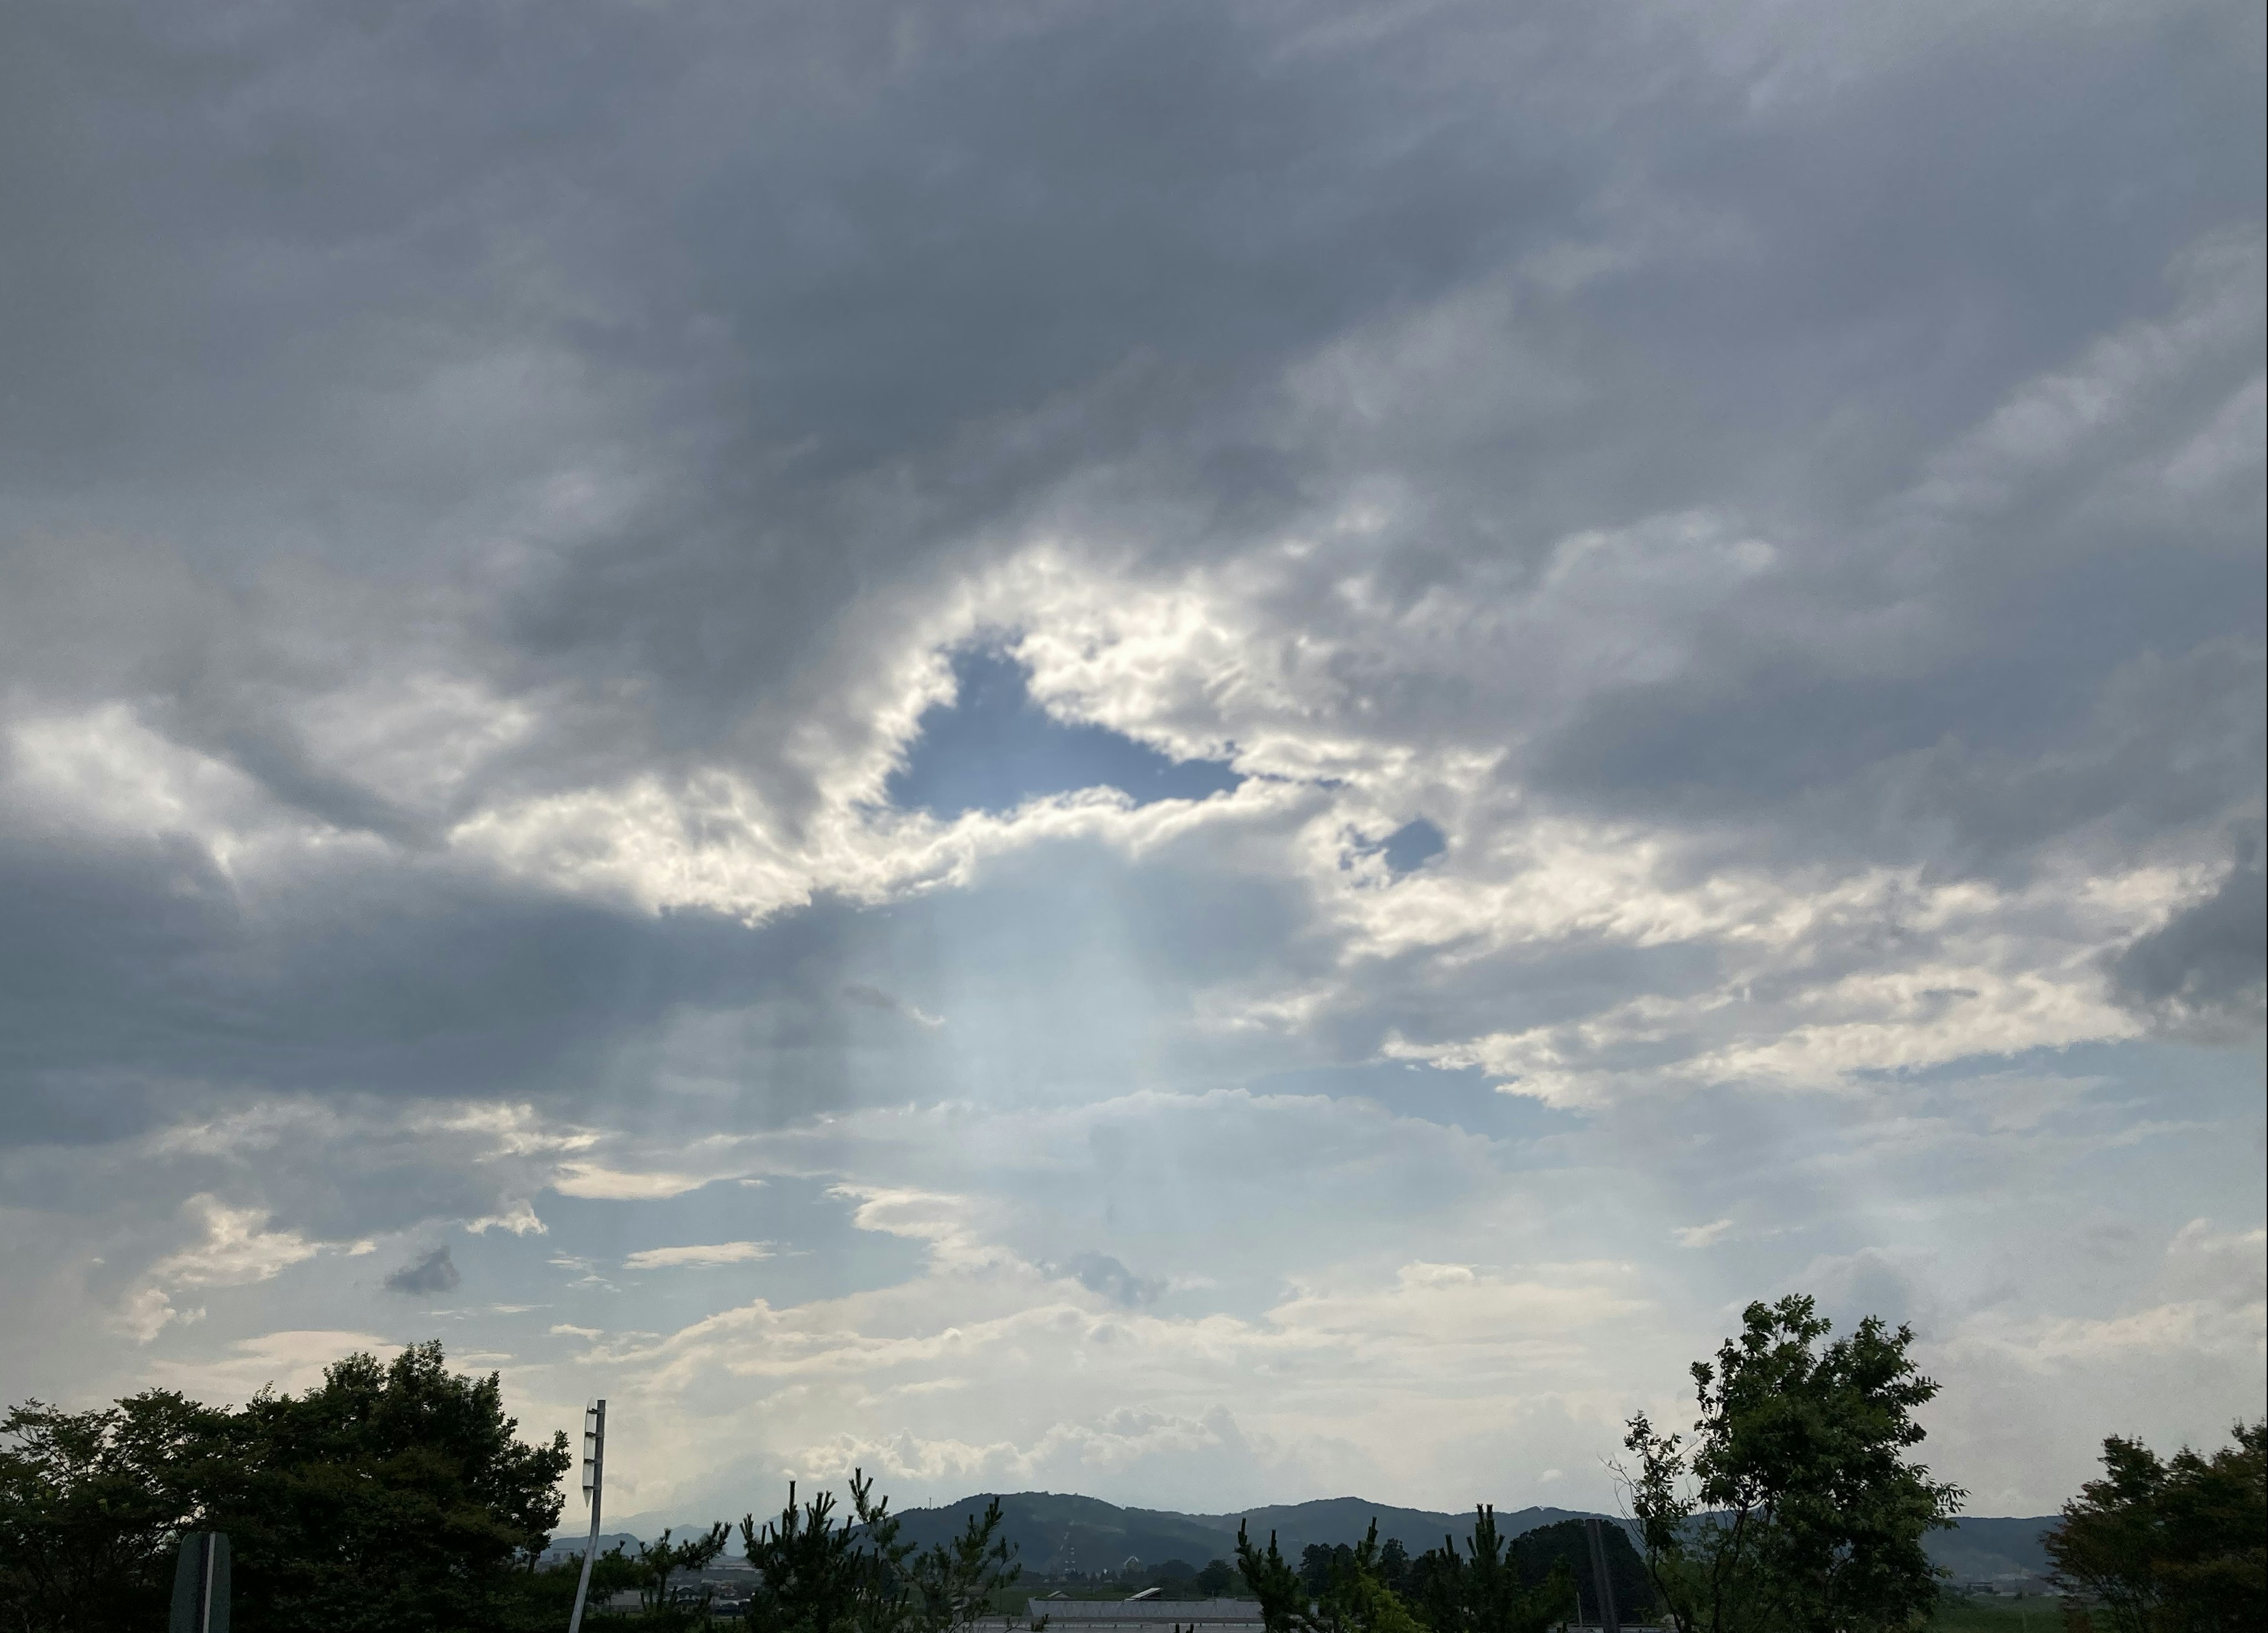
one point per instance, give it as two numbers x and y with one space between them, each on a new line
594 1472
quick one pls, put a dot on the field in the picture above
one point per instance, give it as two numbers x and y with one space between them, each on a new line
1985 1616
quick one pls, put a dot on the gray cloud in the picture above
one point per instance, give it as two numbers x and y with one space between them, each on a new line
1099 1273
2203 973
432 1273
1687 475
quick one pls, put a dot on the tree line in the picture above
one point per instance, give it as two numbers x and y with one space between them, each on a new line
398 1498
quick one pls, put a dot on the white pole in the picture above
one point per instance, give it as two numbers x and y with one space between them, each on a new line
594 1470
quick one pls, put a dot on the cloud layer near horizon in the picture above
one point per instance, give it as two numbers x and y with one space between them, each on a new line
1210 755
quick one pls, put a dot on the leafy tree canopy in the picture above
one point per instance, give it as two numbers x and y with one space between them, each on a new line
1797 1508
2178 1545
392 1497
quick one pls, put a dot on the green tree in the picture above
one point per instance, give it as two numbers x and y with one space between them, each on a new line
1487 1589
810 1571
1218 1578
1394 1564
1568 1542
1283 1597
1355 1597
818 1574
1798 1509
662 1558
393 1496
2177 1545
91 1503
955 1583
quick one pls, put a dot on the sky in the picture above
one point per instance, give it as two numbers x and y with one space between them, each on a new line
1205 754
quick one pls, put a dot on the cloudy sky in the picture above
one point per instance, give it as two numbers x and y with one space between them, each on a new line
1209 754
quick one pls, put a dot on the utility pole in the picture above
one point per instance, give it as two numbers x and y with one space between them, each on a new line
201 1585
594 1473
1602 1585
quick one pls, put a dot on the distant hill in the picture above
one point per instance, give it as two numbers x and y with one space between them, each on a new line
1053 1532
1988 1550
1335 1519
570 1544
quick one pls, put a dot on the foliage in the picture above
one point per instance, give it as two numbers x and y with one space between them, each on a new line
661 1559
954 1583
1488 1589
90 1506
818 1574
810 1572
1568 1540
1283 1597
1316 1562
392 1497
1370 1588
1218 1578
1355 1597
1797 1510
2172 1546
540 1601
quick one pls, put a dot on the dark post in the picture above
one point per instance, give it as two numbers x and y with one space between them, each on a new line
201 1585
1602 1584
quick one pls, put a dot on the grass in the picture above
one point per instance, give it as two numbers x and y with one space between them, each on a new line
2029 1615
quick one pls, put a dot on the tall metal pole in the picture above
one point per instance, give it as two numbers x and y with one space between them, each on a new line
594 1473
1602 1584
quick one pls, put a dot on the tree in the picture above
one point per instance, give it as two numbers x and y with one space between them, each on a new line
2172 1546
395 1497
661 1559
816 1574
1568 1542
90 1506
809 1568
1218 1578
1355 1597
955 1583
1487 1589
1317 1561
1394 1564
1797 1509
1283 1597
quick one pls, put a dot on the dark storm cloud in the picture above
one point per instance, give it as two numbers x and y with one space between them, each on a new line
652 370
435 1272
826 293
2205 972
133 965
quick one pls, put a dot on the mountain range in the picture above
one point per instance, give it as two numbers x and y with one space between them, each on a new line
1054 1532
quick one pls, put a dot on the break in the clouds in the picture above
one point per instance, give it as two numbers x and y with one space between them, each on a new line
1205 754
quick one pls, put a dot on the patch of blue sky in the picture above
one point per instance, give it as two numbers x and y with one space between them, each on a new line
992 748
1412 845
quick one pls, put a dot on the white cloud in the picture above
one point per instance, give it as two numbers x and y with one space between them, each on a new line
714 1253
237 1247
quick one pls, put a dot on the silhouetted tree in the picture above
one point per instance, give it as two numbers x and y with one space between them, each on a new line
392 1497
1485 1590
2172 1546
810 1570
1797 1508
1283 1597
1354 1598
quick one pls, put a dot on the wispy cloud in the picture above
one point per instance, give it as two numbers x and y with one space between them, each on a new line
710 1253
